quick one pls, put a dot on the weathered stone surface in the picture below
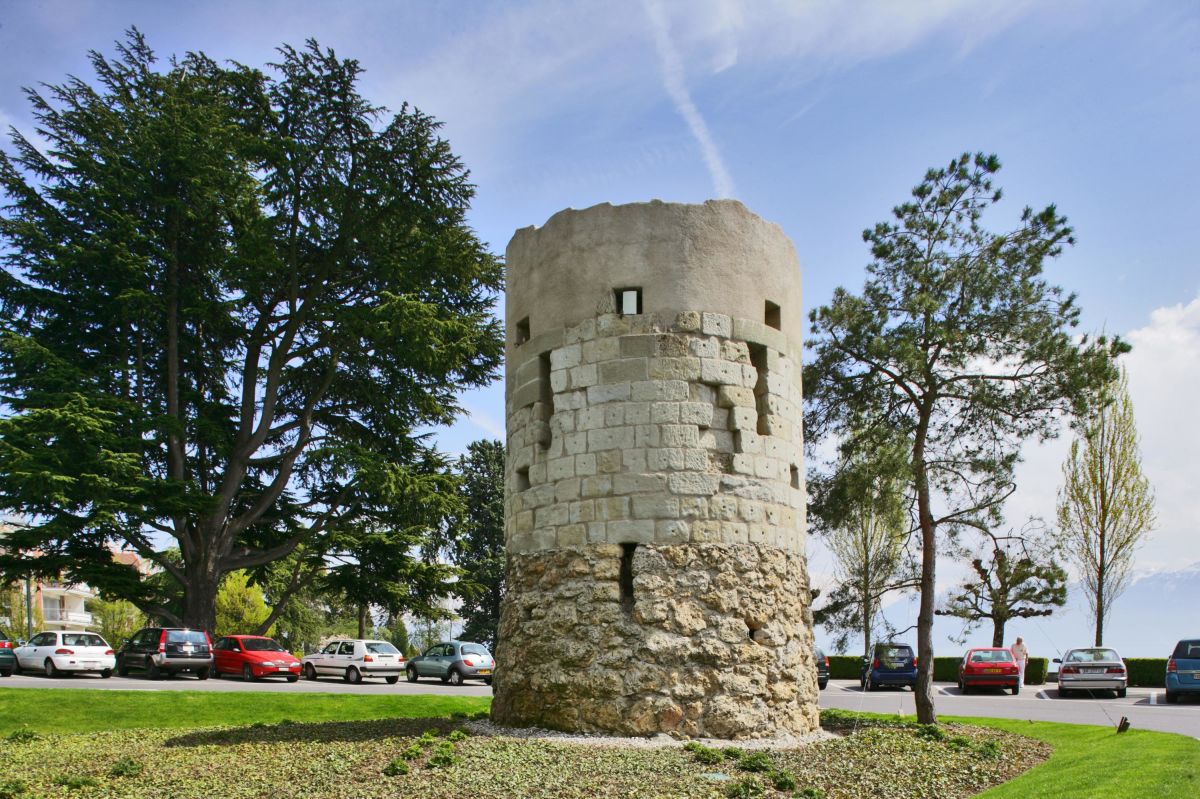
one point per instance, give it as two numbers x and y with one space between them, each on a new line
656 573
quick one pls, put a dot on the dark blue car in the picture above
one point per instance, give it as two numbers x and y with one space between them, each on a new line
1183 670
892 664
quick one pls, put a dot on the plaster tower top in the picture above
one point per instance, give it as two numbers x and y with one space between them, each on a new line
716 257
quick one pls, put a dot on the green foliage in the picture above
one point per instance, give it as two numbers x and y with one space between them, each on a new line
22 735
990 750
930 732
704 754
1035 671
783 780
456 736
117 619
733 753
76 781
744 789
12 789
958 348
473 540
126 767
443 756
396 768
758 762
811 793
240 606
231 299
1106 504
945 669
412 752
1146 672
845 667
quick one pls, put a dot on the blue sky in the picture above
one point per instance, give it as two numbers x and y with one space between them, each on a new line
819 116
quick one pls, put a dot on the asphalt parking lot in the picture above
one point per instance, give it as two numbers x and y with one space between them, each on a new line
1144 707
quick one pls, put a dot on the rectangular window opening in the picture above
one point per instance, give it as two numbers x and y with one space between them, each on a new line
626 576
795 476
522 334
629 301
772 316
545 399
758 358
523 478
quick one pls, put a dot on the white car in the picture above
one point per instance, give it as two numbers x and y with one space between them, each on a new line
355 658
59 651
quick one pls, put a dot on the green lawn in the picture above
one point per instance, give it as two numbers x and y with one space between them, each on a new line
1099 762
65 710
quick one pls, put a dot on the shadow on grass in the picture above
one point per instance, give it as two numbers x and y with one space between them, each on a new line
316 732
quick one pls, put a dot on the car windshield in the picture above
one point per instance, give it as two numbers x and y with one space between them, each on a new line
261 645
381 648
83 639
1092 656
474 649
895 652
1187 650
992 656
186 637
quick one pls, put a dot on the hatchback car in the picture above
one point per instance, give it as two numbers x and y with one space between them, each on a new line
892 664
1091 669
1183 670
353 659
254 657
453 662
57 652
8 661
162 651
989 667
822 668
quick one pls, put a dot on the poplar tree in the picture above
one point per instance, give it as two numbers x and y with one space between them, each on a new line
958 346
1106 504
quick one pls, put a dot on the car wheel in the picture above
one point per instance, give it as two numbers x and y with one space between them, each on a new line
820 685
1172 698
1063 693
51 669
247 672
106 673
1016 689
353 676
456 677
1121 693
392 680
122 669
310 673
292 678
154 672
202 674
412 675
6 673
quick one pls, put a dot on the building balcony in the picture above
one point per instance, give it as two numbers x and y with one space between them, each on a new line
53 588
67 616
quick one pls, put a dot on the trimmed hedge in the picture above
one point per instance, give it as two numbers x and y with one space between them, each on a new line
1147 672
945 669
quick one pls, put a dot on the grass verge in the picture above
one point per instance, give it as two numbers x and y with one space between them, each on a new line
68 710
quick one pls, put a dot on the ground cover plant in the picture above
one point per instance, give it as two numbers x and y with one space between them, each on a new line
436 757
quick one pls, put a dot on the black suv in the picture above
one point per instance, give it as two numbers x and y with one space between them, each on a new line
166 650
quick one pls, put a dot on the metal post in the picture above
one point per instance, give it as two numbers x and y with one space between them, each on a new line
28 610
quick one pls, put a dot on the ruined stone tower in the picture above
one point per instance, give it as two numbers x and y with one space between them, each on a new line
655 500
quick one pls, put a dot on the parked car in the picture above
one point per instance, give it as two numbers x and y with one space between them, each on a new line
8 661
1183 670
892 664
989 666
354 659
58 651
822 668
453 662
161 651
254 657
1091 669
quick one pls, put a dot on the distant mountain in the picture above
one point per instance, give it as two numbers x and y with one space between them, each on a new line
1155 611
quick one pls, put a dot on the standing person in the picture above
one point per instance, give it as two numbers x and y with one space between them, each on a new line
1021 653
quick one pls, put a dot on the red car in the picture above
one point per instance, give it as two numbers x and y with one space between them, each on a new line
254 656
989 666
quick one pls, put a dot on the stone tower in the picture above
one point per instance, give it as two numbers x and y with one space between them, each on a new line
655 499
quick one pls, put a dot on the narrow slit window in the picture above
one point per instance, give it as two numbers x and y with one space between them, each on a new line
523 478
626 576
522 331
795 476
545 399
772 316
629 301
758 359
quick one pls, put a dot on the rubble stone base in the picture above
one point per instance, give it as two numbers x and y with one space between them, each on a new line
713 641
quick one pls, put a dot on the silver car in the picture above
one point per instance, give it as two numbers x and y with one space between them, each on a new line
453 662
352 659
1092 669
